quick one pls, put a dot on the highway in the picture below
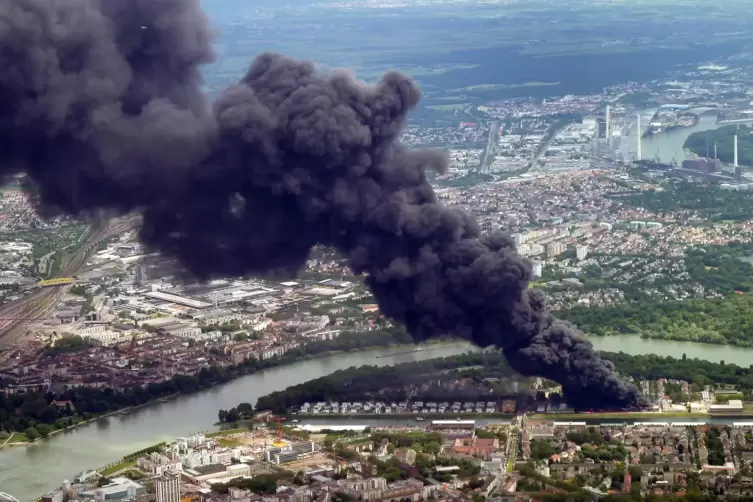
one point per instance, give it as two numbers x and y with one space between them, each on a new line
40 303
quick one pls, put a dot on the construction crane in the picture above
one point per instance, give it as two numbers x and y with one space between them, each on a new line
279 443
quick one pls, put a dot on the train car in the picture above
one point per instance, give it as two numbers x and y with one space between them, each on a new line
60 281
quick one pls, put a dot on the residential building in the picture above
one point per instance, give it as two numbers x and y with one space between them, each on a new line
167 487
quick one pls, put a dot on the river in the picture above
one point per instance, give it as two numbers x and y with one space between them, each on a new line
27 472
668 146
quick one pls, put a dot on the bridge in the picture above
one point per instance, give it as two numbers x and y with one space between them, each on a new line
60 281
7 497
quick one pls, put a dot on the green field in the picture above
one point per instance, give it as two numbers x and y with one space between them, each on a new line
15 438
118 467
228 442
227 432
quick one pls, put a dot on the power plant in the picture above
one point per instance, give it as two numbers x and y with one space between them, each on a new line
336 175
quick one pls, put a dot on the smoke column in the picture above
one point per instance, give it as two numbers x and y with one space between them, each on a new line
101 105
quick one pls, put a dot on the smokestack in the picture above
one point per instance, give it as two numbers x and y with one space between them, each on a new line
735 151
104 111
608 120
639 139
715 157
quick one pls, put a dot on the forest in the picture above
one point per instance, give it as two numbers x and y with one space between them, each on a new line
38 414
727 321
723 138
366 382
354 384
388 382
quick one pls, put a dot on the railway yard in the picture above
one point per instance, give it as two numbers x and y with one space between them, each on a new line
17 315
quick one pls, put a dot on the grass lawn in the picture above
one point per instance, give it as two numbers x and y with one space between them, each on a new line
134 474
118 467
17 437
225 433
228 442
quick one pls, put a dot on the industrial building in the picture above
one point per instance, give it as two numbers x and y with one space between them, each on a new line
733 407
119 488
211 474
453 429
291 452
703 164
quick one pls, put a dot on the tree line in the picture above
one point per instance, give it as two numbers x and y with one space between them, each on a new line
362 383
46 412
36 414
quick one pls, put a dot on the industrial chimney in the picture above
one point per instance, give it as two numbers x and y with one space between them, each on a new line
608 120
735 151
638 134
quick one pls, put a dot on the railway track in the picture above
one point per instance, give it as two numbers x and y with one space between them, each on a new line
39 304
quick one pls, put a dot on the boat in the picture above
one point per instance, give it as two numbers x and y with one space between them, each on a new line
420 419
294 421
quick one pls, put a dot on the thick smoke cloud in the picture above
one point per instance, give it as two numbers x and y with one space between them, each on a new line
101 104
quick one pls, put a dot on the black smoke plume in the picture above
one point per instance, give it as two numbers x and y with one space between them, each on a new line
101 105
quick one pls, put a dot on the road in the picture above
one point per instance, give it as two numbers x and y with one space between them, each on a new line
551 134
491 142
40 303
513 439
9 438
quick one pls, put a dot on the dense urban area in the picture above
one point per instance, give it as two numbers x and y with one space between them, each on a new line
446 459
634 207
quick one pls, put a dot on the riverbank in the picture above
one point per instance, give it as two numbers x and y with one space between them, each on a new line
244 370
14 440
402 348
23 440
107 440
